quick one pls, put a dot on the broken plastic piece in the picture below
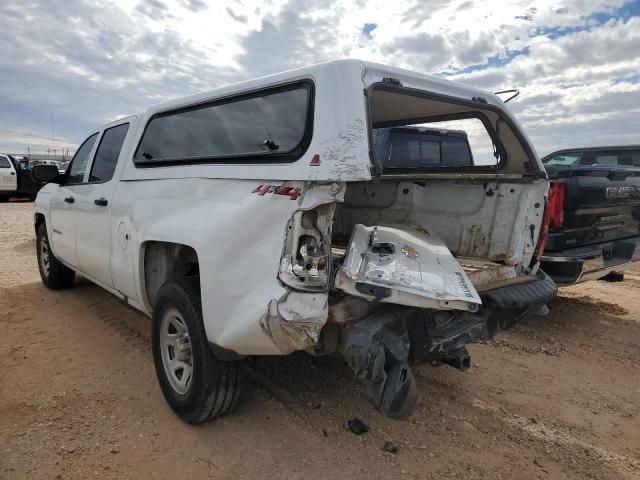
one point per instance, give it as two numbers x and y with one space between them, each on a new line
357 426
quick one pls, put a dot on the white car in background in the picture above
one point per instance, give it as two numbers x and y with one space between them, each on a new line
8 177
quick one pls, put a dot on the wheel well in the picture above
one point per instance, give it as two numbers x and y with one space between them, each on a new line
164 261
38 220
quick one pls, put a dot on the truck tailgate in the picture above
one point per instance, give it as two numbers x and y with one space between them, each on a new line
601 204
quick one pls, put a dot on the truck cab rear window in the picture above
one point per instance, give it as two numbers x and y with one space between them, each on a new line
413 148
268 126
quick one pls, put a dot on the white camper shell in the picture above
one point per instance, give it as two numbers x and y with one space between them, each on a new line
258 219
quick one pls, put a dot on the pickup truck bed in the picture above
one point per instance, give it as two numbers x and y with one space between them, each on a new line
595 212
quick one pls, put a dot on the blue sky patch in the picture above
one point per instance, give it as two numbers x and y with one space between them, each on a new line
368 28
496 60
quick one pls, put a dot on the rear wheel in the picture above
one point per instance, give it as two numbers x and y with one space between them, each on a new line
198 386
54 274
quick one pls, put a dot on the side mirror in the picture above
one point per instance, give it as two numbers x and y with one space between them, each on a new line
46 173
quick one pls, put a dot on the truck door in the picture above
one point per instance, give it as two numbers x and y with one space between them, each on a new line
63 228
93 212
8 177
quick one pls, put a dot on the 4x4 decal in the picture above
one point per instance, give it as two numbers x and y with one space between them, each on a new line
293 193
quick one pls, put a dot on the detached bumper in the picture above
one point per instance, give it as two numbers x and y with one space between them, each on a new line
380 347
588 263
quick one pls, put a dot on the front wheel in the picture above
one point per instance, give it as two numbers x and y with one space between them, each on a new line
54 274
198 386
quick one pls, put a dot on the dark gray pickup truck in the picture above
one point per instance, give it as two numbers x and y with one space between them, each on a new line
594 212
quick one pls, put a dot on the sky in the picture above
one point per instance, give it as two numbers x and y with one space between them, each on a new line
69 66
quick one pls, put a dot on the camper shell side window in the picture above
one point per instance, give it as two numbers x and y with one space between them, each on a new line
271 125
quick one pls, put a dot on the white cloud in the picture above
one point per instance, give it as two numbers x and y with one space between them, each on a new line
105 58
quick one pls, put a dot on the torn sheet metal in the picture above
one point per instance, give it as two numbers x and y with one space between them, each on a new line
294 321
405 265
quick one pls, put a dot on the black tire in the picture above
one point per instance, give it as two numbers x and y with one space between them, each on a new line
58 276
214 384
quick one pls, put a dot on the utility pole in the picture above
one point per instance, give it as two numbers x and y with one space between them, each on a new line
53 131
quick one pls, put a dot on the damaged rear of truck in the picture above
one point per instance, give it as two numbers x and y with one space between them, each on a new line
363 226
433 252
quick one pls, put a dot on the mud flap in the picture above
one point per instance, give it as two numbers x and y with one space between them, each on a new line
377 350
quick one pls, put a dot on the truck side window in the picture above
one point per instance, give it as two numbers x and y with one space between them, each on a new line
569 158
4 162
107 154
622 158
80 159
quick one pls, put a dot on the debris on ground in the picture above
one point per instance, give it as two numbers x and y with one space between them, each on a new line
391 447
357 426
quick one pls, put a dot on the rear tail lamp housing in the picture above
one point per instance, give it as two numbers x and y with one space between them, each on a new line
555 205
553 217
306 258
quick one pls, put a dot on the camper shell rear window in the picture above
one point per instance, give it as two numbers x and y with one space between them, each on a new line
392 105
270 125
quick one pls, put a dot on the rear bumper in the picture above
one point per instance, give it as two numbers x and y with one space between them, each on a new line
380 347
501 309
588 263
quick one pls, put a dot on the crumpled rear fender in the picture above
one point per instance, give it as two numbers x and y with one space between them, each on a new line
239 264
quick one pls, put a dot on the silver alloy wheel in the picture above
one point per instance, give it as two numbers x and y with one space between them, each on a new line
175 346
44 256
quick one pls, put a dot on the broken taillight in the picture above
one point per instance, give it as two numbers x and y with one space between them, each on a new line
305 261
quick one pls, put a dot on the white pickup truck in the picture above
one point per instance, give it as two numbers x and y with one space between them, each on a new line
263 218
15 179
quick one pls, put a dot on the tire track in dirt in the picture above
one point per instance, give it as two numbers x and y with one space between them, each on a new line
624 465
118 317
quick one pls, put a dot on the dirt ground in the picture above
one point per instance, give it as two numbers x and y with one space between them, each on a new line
556 397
